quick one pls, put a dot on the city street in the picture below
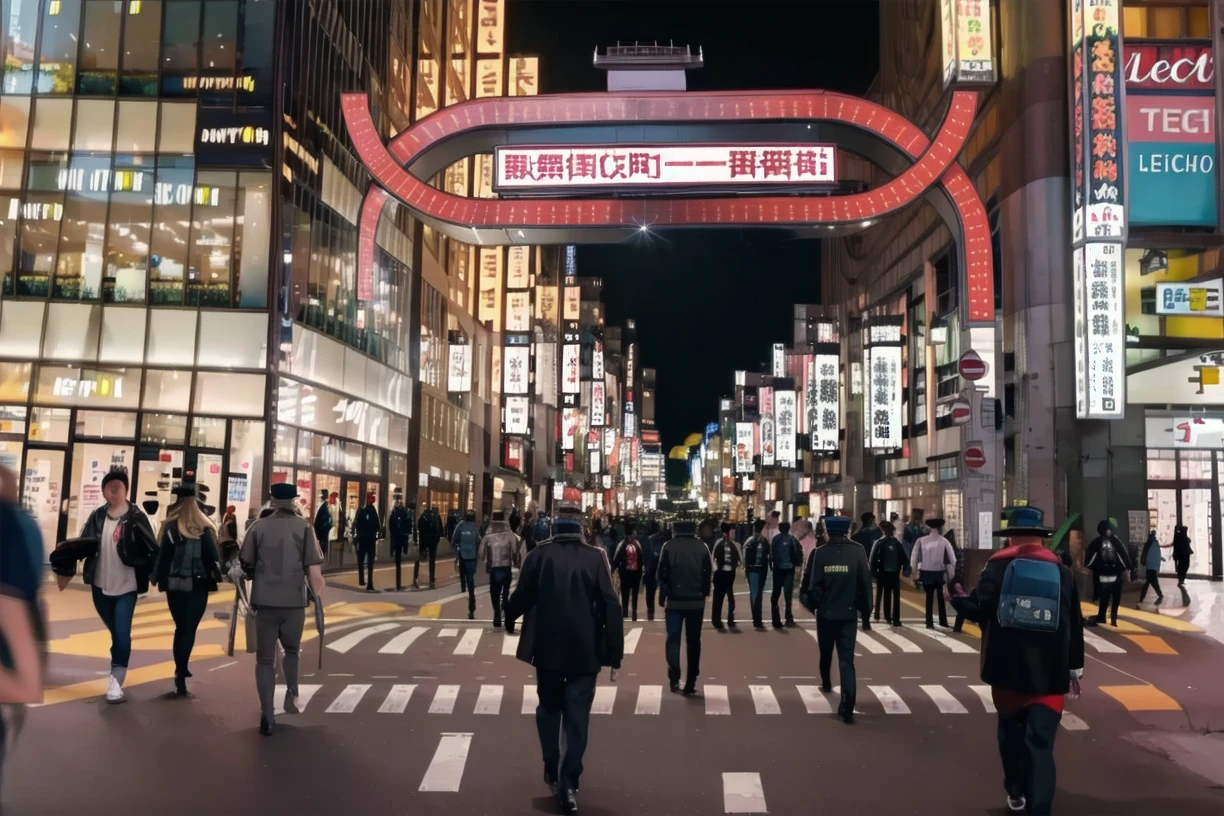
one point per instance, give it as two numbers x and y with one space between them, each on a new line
424 715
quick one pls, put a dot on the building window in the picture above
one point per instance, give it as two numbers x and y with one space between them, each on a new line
78 271
129 230
212 239
58 57
141 46
433 336
180 64
20 32
100 48
1166 20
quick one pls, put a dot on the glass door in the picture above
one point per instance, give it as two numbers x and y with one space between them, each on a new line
43 493
154 480
1196 516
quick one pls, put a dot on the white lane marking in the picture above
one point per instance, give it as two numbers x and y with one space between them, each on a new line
631 640
764 701
1072 722
958 646
445 770
510 645
1101 644
397 699
984 694
444 700
649 700
874 646
944 700
348 699
305 693
342 645
892 702
743 793
530 699
717 701
213 669
813 700
400 643
605 698
467 643
906 645
489 701
448 632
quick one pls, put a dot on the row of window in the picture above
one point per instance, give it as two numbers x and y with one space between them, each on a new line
218 50
444 423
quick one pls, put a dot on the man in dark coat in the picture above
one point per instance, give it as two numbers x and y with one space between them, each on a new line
429 533
685 573
366 528
572 628
323 521
1110 563
1028 671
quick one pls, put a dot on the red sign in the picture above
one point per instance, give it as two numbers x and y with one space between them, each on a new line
971 366
961 412
1169 66
975 457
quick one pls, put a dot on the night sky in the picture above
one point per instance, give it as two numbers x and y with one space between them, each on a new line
713 315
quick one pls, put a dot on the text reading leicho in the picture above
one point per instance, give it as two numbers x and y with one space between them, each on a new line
610 166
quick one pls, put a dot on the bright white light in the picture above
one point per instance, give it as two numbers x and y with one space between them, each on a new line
643 228
288 257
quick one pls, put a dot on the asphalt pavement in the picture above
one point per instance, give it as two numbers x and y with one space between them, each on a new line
418 715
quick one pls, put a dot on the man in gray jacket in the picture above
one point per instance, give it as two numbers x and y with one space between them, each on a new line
685 572
280 552
501 553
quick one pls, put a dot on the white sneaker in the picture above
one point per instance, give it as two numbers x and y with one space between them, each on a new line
114 694
1016 803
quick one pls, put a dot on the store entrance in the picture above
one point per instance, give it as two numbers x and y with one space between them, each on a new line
1183 487
43 493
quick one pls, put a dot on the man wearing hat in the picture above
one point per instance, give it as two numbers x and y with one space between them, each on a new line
837 587
281 553
934 562
1030 661
685 574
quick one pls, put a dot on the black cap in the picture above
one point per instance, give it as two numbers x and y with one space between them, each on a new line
499 515
186 490
283 490
116 476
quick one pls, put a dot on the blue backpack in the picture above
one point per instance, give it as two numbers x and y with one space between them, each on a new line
1030 598
469 540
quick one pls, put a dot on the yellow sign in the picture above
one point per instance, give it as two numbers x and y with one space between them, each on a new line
484 176
1209 375
491 266
490 26
573 303
489 77
1198 299
968 41
427 87
524 75
518 267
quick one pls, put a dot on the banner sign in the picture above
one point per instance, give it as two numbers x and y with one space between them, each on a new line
1098 196
824 402
1102 332
784 409
744 447
570 358
598 403
517 412
882 358
1191 299
515 367
459 369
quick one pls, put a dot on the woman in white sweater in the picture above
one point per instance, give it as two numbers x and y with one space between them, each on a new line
933 562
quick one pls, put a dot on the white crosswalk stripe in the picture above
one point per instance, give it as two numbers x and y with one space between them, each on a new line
305 693
1101 644
448 631
468 643
1072 722
764 701
510 645
814 700
445 770
397 699
444 700
892 702
631 640
649 700
871 644
984 694
958 646
906 645
400 643
530 699
944 700
346 642
717 701
348 699
605 699
489 701
743 793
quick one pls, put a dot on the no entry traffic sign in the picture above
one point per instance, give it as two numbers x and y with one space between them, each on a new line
971 366
961 412
975 457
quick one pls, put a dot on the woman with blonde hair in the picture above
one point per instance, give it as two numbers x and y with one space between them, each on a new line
186 570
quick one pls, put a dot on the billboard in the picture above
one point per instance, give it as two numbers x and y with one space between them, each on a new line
745 447
1098 206
459 369
785 430
1198 299
824 402
516 368
609 166
516 416
570 358
598 404
1104 331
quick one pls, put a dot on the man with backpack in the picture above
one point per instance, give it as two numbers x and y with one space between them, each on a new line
1110 563
466 543
756 568
787 555
887 563
1028 606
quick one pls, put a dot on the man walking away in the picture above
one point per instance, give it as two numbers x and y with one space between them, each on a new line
1028 606
787 555
1151 559
366 528
685 570
868 533
501 554
837 587
726 562
887 563
652 550
628 565
1109 561
429 533
756 568
323 522
934 562
572 628
1181 557
913 532
280 553
466 543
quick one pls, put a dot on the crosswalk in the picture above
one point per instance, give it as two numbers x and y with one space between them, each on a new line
719 700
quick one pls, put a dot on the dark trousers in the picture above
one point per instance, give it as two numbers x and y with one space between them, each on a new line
187 610
467 574
365 555
1182 568
1026 746
629 582
423 551
564 702
690 621
1152 580
499 591
783 584
756 582
116 614
1111 596
724 587
933 583
888 595
651 587
839 634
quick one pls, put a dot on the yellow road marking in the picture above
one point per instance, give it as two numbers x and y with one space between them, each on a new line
430 610
154 631
1142 698
1089 610
1155 619
1152 644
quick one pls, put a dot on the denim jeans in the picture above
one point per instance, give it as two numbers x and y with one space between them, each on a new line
690 621
116 613
756 581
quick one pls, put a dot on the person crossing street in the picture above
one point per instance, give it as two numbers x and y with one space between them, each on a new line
787 555
466 543
685 571
726 561
756 570
887 565
501 552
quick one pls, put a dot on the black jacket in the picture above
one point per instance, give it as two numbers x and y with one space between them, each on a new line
756 555
726 554
429 528
1016 659
209 554
367 525
796 550
1093 560
621 560
866 537
400 524
134 523
1181 548
888 556
685 572
837 581
572 616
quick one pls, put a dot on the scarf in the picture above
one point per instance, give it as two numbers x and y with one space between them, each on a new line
188 556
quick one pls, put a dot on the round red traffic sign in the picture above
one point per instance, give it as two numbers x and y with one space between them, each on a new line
971 366
961 412
975 457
